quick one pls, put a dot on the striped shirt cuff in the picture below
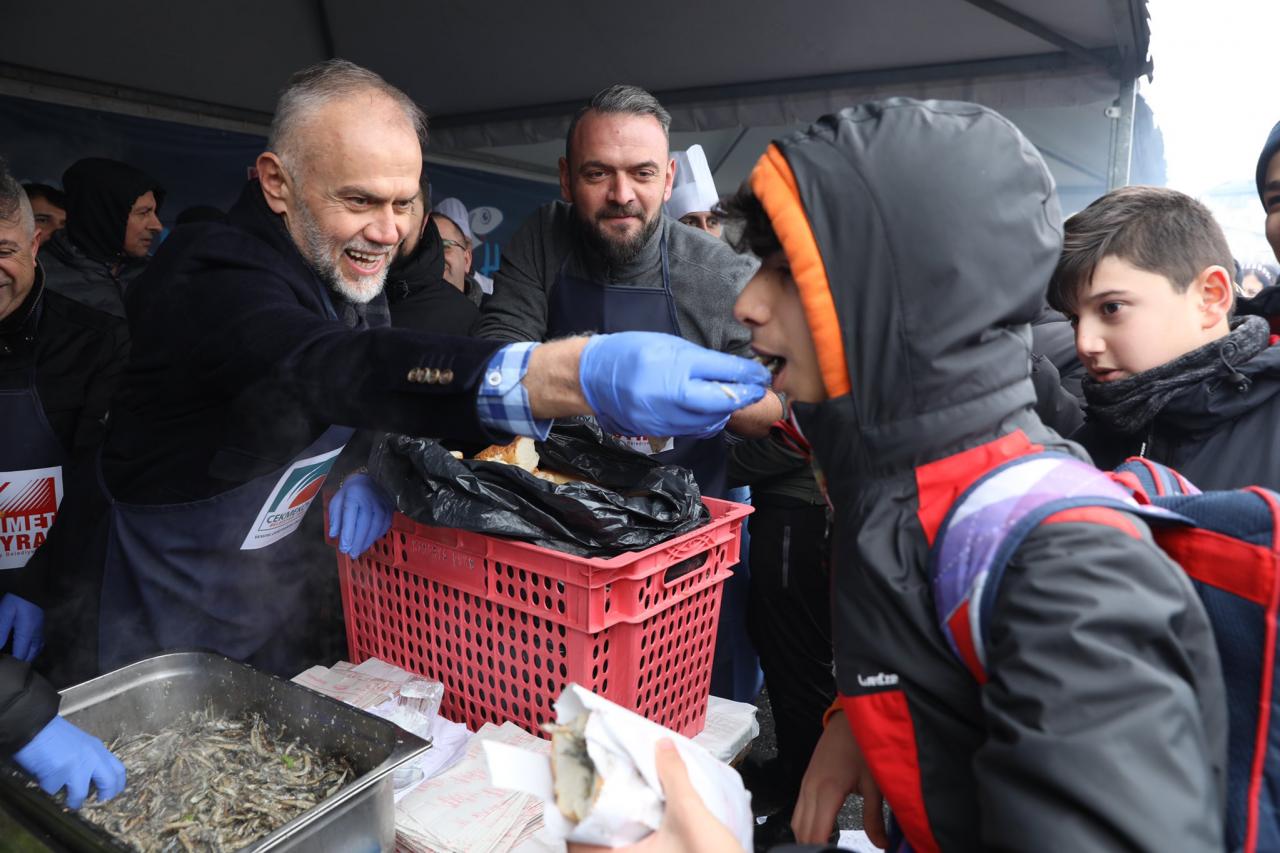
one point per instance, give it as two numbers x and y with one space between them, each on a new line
503 402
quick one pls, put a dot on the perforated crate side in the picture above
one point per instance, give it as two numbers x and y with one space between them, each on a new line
499 664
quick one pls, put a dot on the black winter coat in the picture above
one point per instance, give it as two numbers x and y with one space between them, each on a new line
235 368
79 356
77 276
1215 433
421 299
27 704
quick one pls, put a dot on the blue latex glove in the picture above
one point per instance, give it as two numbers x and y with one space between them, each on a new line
62 755
26 621
646 383
361 513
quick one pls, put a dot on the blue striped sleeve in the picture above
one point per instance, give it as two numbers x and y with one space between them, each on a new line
503 402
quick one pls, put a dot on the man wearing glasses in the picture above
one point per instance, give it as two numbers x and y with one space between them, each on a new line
457 242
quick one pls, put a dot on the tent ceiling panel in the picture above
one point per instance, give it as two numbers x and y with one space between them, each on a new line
458 58
501 78
234 53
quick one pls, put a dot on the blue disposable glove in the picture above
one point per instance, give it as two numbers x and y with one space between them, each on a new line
62 755
646 383
359 515
26 621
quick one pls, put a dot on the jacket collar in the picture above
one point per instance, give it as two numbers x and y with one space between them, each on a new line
250 212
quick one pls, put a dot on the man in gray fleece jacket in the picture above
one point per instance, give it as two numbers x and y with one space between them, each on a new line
606 259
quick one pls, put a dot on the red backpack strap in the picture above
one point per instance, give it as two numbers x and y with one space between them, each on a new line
1148 480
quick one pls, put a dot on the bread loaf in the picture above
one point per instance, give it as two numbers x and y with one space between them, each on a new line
520 453
555 477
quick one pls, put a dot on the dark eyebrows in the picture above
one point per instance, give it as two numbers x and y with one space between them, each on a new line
607 167
344 192
1095 298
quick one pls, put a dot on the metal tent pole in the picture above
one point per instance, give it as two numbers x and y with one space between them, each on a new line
1121 154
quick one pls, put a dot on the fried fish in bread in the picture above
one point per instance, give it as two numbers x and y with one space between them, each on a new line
574 773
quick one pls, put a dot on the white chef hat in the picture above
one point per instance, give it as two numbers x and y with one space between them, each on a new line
456 212
694 189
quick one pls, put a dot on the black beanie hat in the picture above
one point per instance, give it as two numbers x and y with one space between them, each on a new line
1264 159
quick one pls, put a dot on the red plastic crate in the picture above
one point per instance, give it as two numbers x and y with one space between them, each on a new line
505 625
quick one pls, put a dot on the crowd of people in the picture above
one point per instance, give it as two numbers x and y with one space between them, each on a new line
162 399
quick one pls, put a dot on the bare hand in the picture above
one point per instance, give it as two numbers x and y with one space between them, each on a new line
687 825
836 770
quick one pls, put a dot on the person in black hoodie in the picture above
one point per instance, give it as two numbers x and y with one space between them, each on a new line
112 224
1146 277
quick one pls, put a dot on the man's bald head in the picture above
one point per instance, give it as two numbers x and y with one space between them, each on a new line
343 170
336 83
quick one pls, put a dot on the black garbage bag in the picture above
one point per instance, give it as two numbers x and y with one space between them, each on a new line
625 501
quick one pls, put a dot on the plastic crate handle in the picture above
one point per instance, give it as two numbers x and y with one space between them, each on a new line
674 574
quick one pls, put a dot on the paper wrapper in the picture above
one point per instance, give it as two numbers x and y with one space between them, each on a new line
629 804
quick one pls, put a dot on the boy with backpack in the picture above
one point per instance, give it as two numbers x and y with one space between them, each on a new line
906 247
1145 276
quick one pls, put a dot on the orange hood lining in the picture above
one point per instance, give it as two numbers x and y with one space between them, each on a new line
774 184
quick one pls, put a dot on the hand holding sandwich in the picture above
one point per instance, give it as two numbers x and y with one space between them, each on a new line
687 825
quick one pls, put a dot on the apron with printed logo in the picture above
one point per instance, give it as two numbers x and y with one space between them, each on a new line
31 460
224 573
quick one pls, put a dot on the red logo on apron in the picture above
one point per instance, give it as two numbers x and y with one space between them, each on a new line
28 505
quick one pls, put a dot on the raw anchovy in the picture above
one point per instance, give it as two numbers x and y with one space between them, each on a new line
212 783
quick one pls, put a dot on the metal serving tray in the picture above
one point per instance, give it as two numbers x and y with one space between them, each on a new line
152 693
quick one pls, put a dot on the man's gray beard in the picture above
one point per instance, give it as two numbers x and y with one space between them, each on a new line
618 253
321 254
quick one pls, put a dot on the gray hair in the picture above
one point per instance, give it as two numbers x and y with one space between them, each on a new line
14 204
621 98
314 87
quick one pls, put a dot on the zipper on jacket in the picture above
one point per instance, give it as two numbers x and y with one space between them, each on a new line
1146 442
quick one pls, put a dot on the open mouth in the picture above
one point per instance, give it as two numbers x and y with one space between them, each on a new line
771 363
366 262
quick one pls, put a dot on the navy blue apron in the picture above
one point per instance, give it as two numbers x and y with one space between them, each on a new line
581 306
226 573
31 460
